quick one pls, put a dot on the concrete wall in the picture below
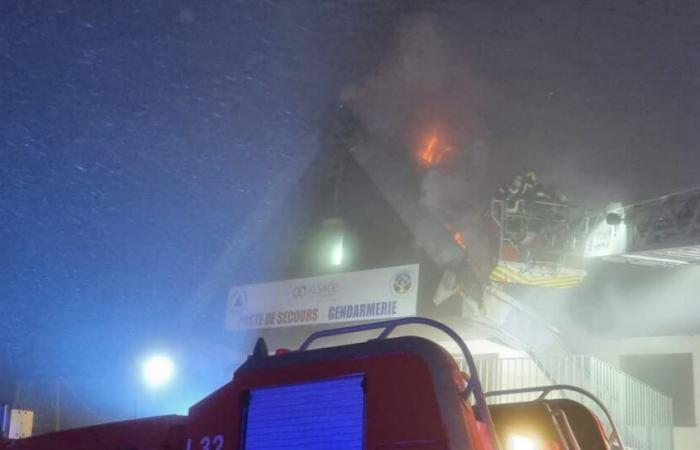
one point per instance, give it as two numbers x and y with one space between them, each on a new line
685 438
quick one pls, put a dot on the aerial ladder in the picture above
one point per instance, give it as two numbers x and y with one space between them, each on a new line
661 232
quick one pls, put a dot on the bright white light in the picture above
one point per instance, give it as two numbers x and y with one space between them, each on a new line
158 370
517 442
337 252
605 239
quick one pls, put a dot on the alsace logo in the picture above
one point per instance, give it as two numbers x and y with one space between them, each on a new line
238 298
402 283
315 290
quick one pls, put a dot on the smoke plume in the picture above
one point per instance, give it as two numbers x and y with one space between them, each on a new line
424 87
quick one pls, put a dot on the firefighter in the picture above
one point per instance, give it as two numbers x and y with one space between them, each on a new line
534 190
529 183
502 192
514 199
516 186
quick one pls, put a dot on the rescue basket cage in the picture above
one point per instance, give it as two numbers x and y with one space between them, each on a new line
614 440
473 386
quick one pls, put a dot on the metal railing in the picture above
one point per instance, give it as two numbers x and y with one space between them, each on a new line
643 416
473 386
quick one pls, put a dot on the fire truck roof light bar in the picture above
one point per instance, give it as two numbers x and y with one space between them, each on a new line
546 390
388 326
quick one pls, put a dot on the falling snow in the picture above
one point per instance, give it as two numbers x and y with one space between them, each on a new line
148 148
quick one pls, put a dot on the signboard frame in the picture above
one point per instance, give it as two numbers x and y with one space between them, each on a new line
382 293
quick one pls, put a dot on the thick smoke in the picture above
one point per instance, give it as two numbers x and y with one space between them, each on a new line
424 86
538 112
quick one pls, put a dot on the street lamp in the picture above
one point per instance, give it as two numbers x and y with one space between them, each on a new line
157 371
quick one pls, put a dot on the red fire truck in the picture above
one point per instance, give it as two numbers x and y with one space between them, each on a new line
387 393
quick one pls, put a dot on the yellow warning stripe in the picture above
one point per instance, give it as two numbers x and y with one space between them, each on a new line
507 275
501 272
557 283
551 282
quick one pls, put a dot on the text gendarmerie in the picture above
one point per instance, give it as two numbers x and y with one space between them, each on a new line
363 310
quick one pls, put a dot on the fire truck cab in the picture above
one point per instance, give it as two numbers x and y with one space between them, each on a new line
386 393
399 393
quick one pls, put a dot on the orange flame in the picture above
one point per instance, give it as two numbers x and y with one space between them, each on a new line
433 153
458 237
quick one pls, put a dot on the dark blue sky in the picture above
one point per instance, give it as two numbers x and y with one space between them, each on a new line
140 142
145 146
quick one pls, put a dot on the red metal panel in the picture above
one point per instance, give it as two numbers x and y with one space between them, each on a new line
165 432
413 400
401 403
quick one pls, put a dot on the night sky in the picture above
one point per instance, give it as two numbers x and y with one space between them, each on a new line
146 146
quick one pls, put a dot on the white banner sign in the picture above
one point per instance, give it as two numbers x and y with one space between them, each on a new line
365 295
